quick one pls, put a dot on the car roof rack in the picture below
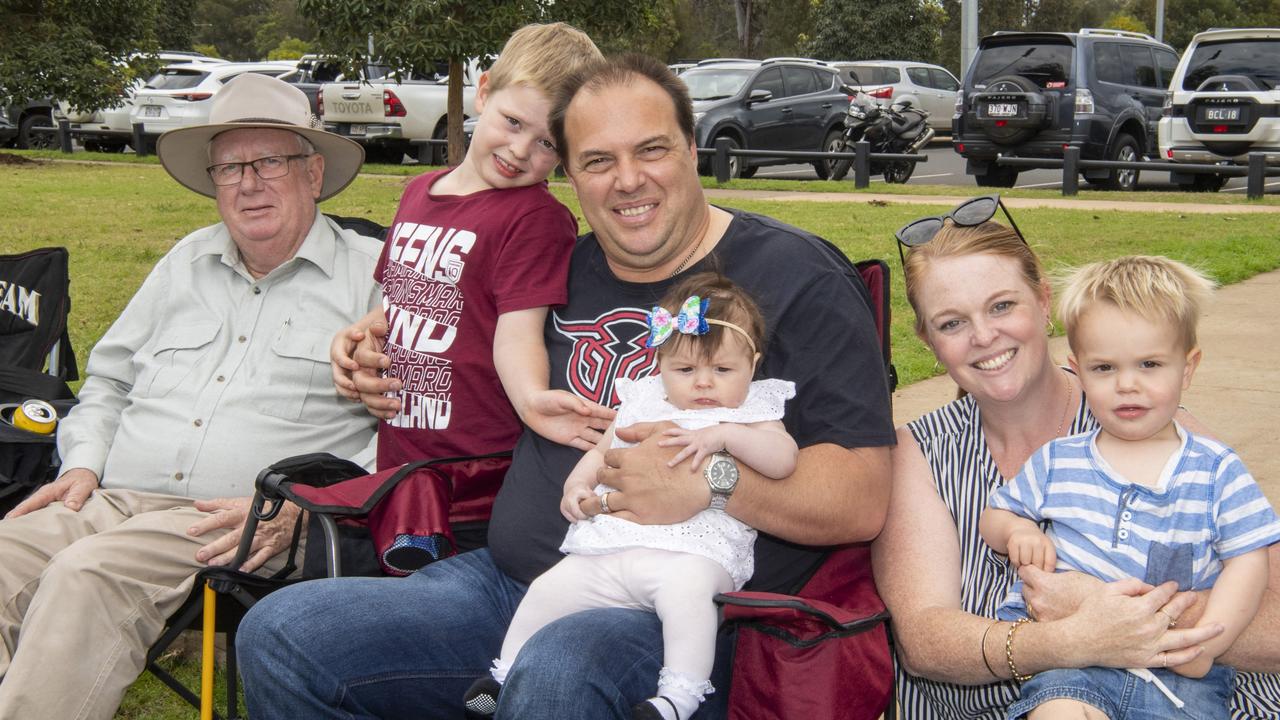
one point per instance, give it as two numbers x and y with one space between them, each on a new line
1117 33
810 61
713 61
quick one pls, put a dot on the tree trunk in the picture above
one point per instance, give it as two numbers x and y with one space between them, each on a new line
455 113
742 11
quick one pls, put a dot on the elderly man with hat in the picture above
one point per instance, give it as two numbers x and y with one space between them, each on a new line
217 367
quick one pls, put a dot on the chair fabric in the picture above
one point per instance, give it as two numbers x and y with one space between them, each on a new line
36 360
822 653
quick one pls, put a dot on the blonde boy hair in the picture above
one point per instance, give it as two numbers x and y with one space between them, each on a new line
542 56
1154 288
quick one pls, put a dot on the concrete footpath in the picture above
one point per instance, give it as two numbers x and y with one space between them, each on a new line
1236 391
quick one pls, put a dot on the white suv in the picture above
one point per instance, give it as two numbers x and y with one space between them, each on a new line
181 95
1223 103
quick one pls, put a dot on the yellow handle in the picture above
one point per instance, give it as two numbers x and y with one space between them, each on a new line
206 658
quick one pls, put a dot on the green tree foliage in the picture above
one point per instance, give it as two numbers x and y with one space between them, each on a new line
1124 21
291 48
416 34
80 50
876 29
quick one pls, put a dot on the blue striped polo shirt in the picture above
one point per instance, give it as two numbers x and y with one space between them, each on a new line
1204 508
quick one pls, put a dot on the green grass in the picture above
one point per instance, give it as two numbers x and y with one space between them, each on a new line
119 219
811 186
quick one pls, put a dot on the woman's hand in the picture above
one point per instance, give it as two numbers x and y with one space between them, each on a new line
1127 625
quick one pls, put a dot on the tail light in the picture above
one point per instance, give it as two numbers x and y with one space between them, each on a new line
194 97
960 147
1166 110
319 104
391 105
1084 102
883 93
960 102
1168 154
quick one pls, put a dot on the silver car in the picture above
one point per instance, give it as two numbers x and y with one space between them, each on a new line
928 87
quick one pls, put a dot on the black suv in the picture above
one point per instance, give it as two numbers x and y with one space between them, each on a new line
776 104
1032 94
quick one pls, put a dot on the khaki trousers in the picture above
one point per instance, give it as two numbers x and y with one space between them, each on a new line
83 595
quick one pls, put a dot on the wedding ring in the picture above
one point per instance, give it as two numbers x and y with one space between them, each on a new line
604 503
1164 660
1172 621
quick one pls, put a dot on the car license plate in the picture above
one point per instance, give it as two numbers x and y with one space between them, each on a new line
1222 114
151 111
357 130
1002 109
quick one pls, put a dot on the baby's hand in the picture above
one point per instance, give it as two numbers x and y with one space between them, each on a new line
697 443
571 503
1032 547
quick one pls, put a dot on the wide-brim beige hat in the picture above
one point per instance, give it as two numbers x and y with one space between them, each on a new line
253 100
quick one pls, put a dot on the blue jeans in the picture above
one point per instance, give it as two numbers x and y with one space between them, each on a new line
410 647
1124 696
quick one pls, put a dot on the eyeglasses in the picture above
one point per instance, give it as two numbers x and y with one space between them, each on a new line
974 211
267 168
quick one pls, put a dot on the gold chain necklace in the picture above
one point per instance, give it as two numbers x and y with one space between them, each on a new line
1066 409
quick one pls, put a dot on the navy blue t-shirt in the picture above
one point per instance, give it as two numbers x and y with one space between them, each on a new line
821 336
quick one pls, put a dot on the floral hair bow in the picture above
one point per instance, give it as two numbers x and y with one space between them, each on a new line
691 320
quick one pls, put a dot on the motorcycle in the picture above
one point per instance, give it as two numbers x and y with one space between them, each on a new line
899 129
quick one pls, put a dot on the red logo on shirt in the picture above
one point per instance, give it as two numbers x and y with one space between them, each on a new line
605 349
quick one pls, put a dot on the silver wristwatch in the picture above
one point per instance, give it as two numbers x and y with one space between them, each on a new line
722 477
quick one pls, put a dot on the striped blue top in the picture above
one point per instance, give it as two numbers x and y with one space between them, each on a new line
964 474
1204 508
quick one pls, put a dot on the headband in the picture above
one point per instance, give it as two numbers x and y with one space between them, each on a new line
691 320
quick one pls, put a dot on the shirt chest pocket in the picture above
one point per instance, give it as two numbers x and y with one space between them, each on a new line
298 369
178 350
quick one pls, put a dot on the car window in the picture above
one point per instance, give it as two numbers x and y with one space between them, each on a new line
1142 66
1046 64
715 83
1258 60
1167 62
826 80
176 79
920 76
1108 66
944 80
770 80
857 74
799 81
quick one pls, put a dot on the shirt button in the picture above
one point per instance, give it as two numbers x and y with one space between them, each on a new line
1124 534
242 338
257 290
1126 515
177 476
199 422
222 378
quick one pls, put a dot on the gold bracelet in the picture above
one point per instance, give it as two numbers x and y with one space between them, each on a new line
983 648
1008 650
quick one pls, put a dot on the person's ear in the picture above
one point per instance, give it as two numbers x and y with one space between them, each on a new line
315 173
755 362
482 92
1073 364
1193 362
1046 299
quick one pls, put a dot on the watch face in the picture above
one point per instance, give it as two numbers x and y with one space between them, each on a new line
723 475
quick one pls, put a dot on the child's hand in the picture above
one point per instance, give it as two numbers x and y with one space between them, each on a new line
1032 547
571 502
697 443
565 418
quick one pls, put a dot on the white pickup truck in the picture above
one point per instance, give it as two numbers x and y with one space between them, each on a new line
386 115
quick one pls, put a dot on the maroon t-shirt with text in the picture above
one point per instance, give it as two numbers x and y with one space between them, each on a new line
451 265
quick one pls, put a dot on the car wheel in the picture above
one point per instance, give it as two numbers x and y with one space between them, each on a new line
997 177
748 171
36 132
1125 149
834 142
736 164
440 153
1204 183
104 146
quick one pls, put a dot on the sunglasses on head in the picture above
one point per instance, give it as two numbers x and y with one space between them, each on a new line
974 211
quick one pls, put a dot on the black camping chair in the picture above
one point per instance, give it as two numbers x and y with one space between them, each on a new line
36 361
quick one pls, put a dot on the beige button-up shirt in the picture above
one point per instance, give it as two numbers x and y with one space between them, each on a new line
209 375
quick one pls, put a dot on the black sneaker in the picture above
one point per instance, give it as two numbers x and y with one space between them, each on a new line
481 700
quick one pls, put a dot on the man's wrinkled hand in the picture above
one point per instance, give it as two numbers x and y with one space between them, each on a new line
652 493
271 538
73 489
565 418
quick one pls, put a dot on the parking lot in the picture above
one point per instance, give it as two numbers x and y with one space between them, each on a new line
945 167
